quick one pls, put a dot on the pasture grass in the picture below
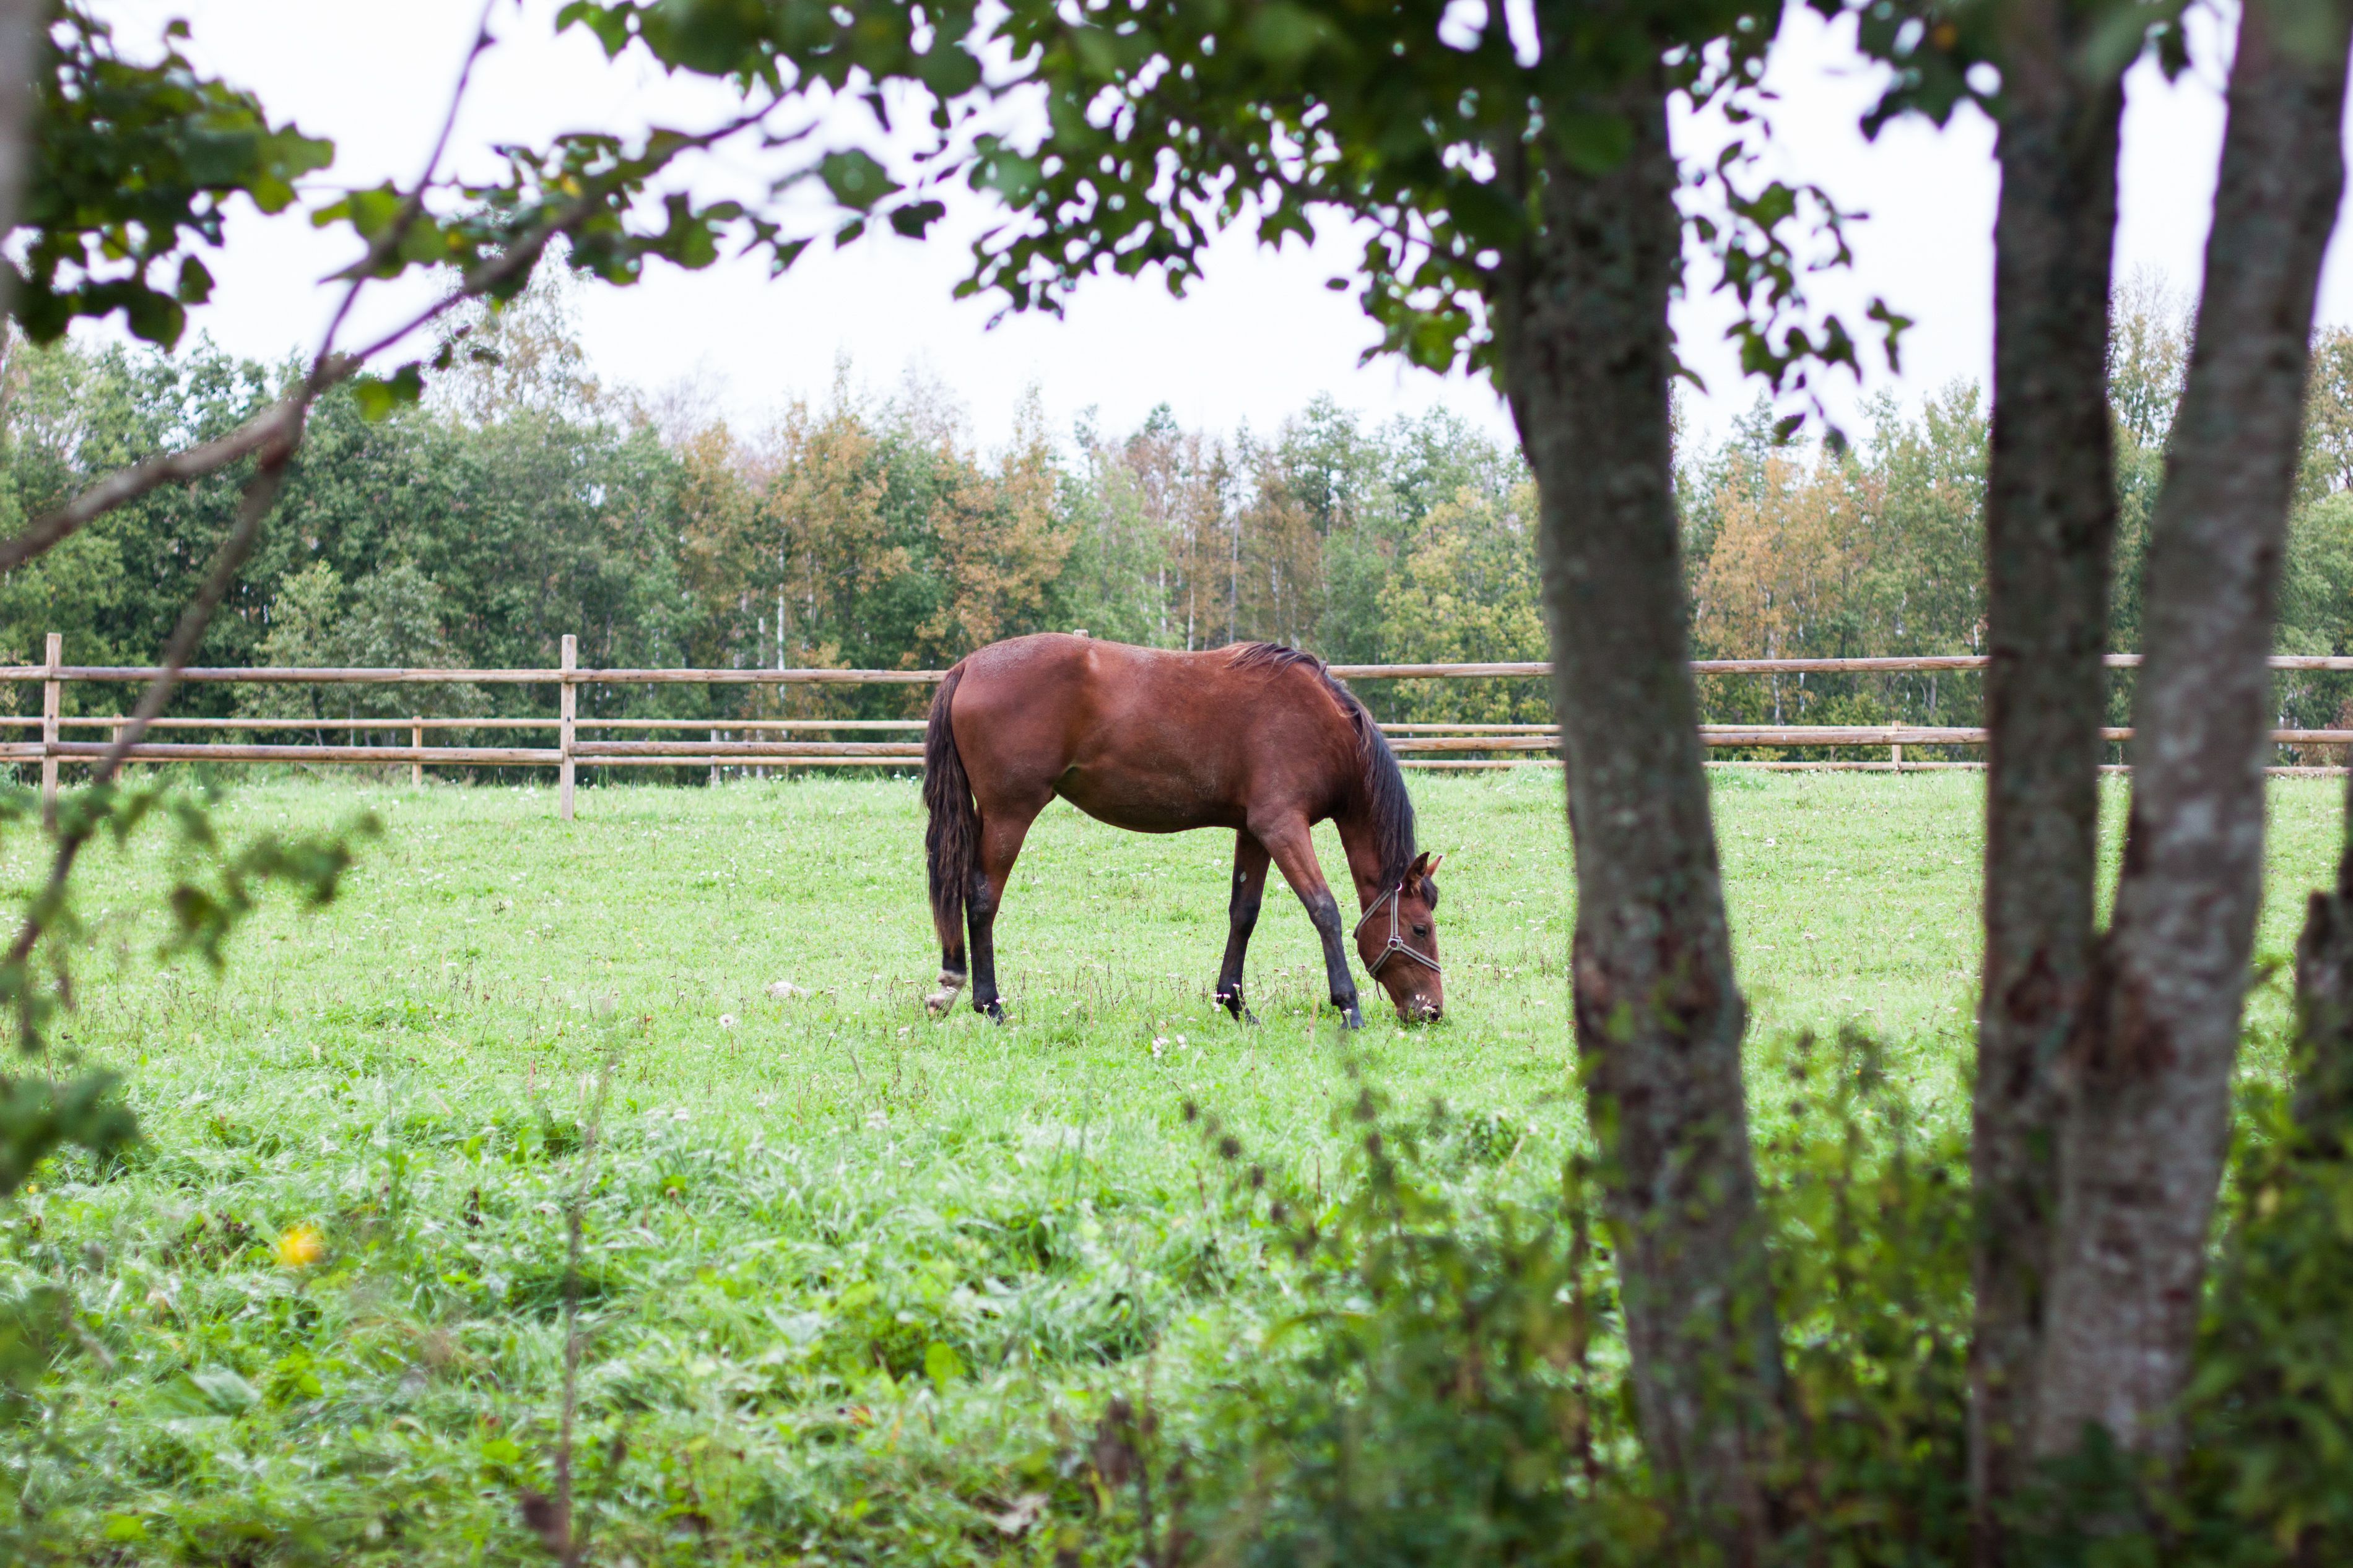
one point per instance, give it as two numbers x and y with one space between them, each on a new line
853 1285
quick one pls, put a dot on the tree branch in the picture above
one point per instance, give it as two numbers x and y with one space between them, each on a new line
130 483
20 43
260 492
360 271
260 495
330 368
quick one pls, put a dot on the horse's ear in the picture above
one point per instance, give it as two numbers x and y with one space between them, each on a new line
1424 865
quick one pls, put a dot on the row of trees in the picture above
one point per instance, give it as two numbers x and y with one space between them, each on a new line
524 500
1879 549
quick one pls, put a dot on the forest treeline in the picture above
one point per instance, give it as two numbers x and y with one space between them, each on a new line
523 501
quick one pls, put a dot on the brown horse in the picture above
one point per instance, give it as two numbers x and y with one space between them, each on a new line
1254 737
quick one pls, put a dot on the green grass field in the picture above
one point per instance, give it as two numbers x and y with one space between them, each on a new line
854 1282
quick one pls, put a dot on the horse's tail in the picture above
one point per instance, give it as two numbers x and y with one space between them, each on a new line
952 842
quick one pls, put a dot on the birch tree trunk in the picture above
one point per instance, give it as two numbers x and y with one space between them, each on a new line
2050 524
1582 321
2149 1099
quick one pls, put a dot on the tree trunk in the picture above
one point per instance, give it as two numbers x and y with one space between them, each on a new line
2049 523
2149 1102
20 55
1582 321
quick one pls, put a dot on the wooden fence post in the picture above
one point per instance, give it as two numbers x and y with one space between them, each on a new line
416 738
568 712
52 695
1895 755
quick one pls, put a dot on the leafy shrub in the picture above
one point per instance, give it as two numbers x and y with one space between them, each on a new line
1452 1389
2270 1475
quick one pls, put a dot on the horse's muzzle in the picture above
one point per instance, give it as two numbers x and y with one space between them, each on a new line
1419 1010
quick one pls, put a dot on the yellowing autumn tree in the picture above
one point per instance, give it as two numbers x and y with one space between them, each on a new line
998 548
1785 577
823 516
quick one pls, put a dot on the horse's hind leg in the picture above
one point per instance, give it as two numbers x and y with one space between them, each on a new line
1241 917
1293 849
1001 833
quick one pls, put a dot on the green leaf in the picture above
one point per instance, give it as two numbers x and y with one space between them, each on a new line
377 397
195 282
941 1364
715 37
948 70
917 218
855 180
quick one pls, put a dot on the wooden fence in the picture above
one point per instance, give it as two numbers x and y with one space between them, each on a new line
724 745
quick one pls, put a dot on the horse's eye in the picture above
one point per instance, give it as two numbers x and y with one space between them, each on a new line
1422 931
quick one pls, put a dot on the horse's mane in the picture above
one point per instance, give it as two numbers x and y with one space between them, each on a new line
1385 801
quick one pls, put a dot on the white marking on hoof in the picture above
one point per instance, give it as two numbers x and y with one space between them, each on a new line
940 1001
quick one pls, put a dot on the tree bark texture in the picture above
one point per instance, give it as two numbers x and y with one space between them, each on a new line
20 47
1582 321
2148 1086
2050 526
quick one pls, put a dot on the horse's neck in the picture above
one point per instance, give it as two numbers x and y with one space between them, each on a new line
1359 842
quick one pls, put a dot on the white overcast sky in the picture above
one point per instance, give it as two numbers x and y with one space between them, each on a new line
1254 341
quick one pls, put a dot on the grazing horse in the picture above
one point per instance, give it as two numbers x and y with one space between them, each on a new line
1253 737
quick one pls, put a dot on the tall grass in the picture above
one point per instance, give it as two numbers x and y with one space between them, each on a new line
850 1285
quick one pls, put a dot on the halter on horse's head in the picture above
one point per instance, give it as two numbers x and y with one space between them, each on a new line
1402 953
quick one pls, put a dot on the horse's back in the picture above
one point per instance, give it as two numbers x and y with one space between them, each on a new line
1150 739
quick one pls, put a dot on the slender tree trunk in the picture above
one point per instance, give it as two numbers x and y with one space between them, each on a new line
2050 524
2148 1104
1582 316
20 53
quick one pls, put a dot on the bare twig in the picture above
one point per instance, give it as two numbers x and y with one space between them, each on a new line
273 437
260 494
520 255
330 368
361 270
130 483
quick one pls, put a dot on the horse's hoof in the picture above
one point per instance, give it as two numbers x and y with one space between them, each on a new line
938 1003
1351 1019
993 1010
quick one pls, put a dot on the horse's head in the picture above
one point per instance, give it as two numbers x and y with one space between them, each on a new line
1397 939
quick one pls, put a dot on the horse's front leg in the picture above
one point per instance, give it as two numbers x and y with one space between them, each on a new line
1293 849
1242 919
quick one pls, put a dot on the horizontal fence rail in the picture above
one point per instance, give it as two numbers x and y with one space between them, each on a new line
307 675
719 743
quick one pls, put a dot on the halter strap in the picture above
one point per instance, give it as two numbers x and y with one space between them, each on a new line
1394 946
